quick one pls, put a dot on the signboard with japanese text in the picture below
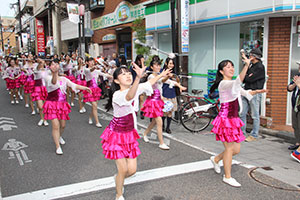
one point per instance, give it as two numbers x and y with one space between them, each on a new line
124 13
185 26
40 36
73 12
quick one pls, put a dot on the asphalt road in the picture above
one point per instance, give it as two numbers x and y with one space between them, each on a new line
162 175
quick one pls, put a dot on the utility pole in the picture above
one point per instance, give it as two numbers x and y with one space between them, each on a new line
183 34
2 39
50 25
20 22
174 34
79 30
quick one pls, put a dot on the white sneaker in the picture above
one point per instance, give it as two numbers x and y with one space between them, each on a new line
120 198
21 97
231 181
99 125
164 146
17 102
61 140
33 112
72 104
26 106
12 102
145 138
83 109
115 176
41 122
46 123
90 121
59 151
216 165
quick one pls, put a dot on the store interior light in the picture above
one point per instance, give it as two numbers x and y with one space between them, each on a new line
119 29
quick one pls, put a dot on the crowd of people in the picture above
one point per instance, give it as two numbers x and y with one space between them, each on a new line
132 91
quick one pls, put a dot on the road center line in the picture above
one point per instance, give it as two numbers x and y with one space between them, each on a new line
108 182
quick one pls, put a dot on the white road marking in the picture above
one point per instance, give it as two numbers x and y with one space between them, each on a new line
108 182
9 122
6 118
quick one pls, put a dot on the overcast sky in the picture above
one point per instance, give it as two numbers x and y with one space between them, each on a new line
5 9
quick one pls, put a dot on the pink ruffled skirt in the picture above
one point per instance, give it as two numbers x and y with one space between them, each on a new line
12 84
119 139
153 105
56 106
39 93
71 78
227 125
29 87
22 79
96 92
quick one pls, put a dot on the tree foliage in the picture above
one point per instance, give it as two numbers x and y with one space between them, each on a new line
139 27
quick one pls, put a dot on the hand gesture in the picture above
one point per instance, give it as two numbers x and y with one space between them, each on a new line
295 78
139 71
88 90
245 59
182 88
166 72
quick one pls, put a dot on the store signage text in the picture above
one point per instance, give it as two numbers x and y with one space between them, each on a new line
109 37
124 13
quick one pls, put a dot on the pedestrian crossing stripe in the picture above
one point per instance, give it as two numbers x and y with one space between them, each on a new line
108 182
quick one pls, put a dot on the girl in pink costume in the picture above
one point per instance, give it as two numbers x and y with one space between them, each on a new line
68 69
29 84
12 73
227 125
22 78
56 108
119 139
92 75
80 80
40 93
154 104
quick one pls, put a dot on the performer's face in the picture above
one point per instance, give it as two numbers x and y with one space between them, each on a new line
228 71
156 67
125 78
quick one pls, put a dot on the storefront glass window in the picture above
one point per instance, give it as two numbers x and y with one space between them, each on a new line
200 57
251 36
165 43
227 44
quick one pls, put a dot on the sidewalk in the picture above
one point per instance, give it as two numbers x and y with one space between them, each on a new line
268 151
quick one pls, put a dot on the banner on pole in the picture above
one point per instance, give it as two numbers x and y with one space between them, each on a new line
73 12
185 23
40 35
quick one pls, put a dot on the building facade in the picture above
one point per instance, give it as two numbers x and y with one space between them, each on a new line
112 24
9 36
220 28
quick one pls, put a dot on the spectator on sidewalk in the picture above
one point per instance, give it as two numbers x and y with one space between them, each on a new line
292 87
296 153
254 80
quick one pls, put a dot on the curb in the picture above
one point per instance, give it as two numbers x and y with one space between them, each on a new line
289 136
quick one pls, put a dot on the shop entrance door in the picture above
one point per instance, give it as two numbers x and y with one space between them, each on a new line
128 51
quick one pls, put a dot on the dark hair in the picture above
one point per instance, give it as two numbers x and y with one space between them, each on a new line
114 86
138 59
155 60
123 60
219 76
167 62
55 61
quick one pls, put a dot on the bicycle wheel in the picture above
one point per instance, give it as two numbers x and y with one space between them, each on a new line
196 115
181 99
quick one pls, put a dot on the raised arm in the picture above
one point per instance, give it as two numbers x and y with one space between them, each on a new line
246 67
139 73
